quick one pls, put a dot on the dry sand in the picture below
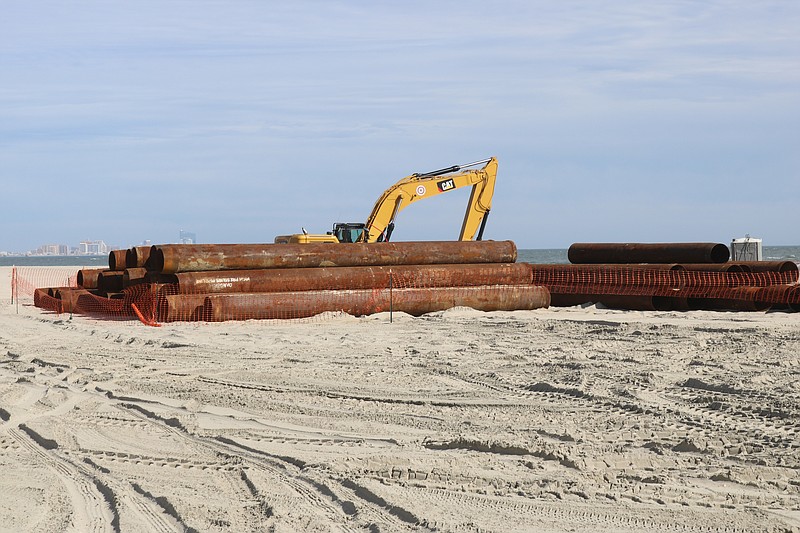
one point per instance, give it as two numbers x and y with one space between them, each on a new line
578 419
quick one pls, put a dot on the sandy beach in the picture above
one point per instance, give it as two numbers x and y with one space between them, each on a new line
563 419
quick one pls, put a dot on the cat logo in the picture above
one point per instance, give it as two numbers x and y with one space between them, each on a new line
446 185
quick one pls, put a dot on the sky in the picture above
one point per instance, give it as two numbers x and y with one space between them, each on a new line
612 121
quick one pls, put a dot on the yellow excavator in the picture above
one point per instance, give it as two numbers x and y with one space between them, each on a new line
380 224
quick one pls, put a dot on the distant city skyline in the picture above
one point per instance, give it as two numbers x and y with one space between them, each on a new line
91 247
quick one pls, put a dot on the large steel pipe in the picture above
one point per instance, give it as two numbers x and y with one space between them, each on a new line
87 277
173 258
366 277
133 276
715 267
692 252
44 299
116 260
243 306
180 307
738 299
788 270
69 298
594 267
136 257
670 276
110 281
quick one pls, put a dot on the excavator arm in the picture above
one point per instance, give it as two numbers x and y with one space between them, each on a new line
417 187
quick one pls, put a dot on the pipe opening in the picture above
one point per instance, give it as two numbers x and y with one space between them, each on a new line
720 253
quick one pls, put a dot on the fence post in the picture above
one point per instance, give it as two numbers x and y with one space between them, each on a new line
71 301
391 300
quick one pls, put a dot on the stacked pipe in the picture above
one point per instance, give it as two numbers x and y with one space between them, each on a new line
239 281
669 276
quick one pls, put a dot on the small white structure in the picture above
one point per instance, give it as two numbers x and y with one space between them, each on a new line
746 248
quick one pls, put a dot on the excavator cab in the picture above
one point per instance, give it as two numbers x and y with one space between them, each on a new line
348 231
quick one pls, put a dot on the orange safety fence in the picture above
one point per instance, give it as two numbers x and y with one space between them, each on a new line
231 295
715 290
412 290
775 286
25 280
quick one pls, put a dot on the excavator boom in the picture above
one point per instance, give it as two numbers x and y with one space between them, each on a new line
417 187
413 188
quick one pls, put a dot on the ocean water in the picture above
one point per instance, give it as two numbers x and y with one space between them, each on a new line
88 261
552 256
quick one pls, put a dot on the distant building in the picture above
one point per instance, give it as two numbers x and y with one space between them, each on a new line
186 237
92 248
52 249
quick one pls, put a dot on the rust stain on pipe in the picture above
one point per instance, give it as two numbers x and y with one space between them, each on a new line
693 252
136 257
242 306
116 260
174 258
363 277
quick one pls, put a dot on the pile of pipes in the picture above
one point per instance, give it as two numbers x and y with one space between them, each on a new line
669 276
221 282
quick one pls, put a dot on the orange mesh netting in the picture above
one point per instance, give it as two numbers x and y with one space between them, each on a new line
310 293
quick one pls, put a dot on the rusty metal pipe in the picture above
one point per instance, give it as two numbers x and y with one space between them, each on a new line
738 299
768 266
110 281
174 258
715 267
87 277
362 277
788 270
116 260
69 298
671 276
54 291
44 299
593 267
133 276
242 306
180 307
136 257
692 252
